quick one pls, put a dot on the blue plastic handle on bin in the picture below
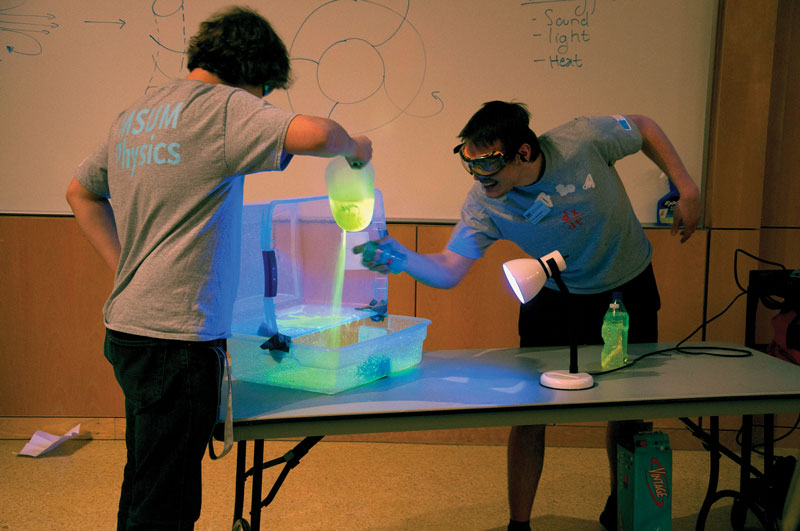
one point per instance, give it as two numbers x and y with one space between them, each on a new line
270 273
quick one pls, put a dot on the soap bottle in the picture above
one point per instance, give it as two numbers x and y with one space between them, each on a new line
666 206
615 335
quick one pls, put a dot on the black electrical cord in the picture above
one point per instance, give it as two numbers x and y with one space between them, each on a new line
736 269
796 423
703 351
694 351
776 439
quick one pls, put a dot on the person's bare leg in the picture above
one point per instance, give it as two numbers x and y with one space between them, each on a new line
525 460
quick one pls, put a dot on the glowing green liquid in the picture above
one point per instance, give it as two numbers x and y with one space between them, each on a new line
336 299
352 216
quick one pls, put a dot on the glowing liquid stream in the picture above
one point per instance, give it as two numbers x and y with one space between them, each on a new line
336 300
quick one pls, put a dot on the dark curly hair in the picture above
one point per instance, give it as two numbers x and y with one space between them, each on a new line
240 46
507 122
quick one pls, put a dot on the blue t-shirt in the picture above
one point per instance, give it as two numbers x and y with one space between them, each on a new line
173 166
578 207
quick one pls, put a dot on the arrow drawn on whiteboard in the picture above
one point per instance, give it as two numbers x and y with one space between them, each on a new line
435 96
6 13
20 30
118 21
21 23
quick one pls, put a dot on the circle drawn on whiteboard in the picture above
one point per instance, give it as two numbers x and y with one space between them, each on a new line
350 71
360 63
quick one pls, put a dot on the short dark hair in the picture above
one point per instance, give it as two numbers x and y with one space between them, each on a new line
240 46
507 122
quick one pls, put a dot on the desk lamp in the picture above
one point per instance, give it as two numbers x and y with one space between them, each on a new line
527 277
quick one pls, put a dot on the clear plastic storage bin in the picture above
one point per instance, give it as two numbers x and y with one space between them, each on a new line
300 279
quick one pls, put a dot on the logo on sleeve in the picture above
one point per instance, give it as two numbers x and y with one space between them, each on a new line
622 121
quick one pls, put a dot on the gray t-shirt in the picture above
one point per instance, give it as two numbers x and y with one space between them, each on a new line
579 207
173 167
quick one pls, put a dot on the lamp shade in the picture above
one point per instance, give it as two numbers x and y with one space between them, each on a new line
527 275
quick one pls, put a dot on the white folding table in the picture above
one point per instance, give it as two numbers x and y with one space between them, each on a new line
452 389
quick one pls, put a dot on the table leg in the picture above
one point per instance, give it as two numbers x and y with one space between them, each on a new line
241 478
712 446
769 444
739 510
742 499
291 459
255 495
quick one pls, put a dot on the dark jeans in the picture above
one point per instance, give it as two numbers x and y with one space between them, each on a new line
550 318
171 404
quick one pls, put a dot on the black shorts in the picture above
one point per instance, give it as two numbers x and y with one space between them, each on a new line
549 318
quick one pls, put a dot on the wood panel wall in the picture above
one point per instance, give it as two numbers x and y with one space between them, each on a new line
53 284
737 153
779 237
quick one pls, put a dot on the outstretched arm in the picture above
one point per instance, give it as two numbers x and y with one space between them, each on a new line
657 147
438 270
96 220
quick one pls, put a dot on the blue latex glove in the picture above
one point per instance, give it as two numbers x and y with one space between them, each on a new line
384 256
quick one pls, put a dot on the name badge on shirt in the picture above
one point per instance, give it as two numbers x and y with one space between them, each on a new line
538 210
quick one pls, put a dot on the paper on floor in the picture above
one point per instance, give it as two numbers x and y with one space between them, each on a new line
43 442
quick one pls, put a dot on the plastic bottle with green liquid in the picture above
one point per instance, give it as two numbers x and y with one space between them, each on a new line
615 335
351 193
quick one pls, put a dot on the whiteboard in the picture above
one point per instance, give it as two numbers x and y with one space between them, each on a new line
407 73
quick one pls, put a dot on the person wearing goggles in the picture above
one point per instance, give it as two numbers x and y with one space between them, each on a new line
559 191
500 166
481 166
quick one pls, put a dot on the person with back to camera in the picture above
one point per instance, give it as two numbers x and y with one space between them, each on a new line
161 200
559 191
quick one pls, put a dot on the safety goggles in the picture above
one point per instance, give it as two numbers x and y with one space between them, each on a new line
483 166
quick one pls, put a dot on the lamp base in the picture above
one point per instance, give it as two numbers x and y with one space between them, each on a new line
566 380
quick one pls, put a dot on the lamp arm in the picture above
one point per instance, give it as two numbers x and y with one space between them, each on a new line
555 273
